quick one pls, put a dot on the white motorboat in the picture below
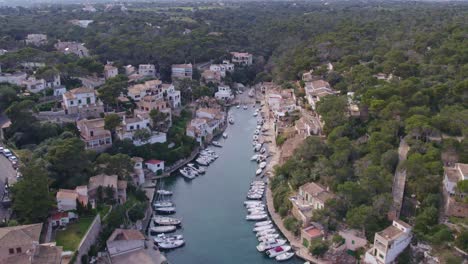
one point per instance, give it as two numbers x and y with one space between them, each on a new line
257 211
255 113
254 197
245 107
254 157
255 137
159 204
163 237
257 132
255 206
284 256
187 173
263 223
262 150
266 232
269 244
259 171
199 170
263 165
225 135
162 229
238 106
231 120
202 161
164 192
165 210
254 143
170 244
261 228
257 147
251 94
259 127
164 220
278 251
252 202
267 237
256 217
216 144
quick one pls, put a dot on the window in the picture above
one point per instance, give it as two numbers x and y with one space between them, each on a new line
79 101
11 251
18 250
91 133
71 102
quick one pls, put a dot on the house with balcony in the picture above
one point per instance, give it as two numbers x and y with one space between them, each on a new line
224 93
147 70
211 76
222 68
94 135
182 71
139 120
197 129
172 96
310 197
315 90
34 85
242 58
389 243
82 101
156 166
454 199
138 91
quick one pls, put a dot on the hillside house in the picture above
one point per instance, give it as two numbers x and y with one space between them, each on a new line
156 166
182 71
71 47
82 101
105 181
389 243
242 58
36 39
139 120
110 71
224 93
316 90
66 199
172 96
94 135
147 70
310 197
453 198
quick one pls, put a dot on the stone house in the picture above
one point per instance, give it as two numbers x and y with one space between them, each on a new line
94 135
310 197
104 181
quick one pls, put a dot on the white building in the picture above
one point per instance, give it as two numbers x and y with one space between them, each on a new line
224 93
242 58
66 199
16 78
156 166
140 121
181 71
316 90
110 71
71 47
389 243
59 90
82 100
172 95
34 85
148 70
36 39
226 66
197 129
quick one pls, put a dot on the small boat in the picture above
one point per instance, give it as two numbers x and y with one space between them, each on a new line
163 204
238 106
162 229
252 202
284 256
245 107
261 228
225 135
258 172
165 210
256 132
254 143
266 232
164 220
263 223
202 161
216 144
231 120
256 217
269 244
278 251
164 192
267 237
187 173
170 244
263 150
257 211
251 93
254 157
162 237
198 170
255 113
263 165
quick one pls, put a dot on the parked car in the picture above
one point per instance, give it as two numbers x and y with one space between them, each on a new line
1 150
13 158
7 153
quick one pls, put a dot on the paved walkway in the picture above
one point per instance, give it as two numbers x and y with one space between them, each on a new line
399 181
295 242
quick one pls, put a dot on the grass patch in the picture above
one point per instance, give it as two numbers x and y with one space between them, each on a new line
71 237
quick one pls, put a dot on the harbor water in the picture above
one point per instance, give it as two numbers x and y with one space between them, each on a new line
211 205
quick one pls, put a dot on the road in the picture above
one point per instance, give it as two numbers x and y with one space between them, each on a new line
6 172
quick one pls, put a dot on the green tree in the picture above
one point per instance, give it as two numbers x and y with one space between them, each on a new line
31 198
111 122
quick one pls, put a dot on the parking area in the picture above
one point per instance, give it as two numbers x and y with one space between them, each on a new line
7 174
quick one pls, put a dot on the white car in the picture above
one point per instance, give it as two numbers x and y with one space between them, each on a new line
1 149
13 158
7 153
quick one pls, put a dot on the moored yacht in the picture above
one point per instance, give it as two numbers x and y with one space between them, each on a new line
162 229
278 251
164 192
163 237
164 220
268 244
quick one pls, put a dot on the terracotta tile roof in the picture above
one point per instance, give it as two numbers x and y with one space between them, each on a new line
19 235
102 180
318 191
154 161
47 254
185 66
125 234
